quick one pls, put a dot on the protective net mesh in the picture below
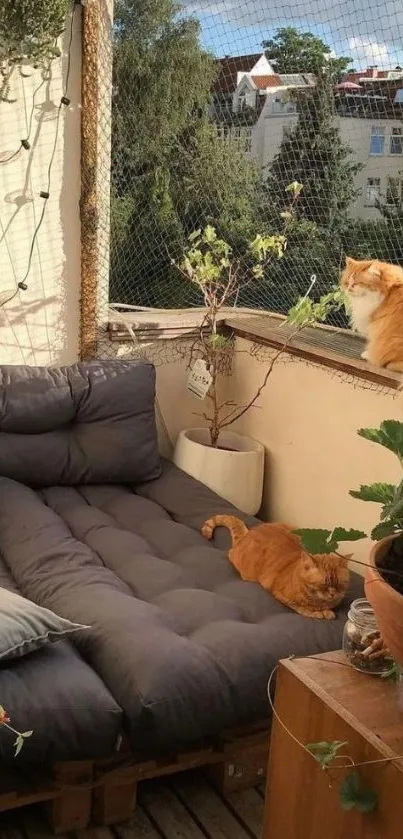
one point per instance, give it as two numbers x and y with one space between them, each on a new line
218 105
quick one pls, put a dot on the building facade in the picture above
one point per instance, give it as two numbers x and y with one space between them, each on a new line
254 106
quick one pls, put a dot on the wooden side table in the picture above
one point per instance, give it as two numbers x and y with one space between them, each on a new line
319 700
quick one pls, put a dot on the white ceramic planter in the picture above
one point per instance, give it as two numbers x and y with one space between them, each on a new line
236 475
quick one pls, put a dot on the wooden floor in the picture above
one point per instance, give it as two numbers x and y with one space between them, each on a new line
185 806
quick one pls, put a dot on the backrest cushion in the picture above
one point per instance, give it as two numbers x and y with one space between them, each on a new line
90 423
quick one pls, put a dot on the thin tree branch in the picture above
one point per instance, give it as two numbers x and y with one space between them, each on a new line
269 371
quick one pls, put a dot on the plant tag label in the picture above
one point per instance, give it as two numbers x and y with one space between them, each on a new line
199 379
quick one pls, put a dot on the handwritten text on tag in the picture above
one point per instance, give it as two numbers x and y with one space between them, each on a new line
199 379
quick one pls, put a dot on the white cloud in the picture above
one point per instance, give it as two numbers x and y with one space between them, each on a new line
374 28
366 52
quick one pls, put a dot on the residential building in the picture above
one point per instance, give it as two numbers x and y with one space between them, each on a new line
260 110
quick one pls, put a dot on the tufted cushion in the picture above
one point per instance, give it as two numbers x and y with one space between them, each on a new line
88 423
184 645
57 695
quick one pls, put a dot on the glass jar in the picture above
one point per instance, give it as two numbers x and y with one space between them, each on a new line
360 631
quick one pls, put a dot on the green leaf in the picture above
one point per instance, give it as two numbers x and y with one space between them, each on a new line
209 234
389 435
326 541
354 794
315 541
383 529
325 752
393 511
378 492
341 535
195 235
295 188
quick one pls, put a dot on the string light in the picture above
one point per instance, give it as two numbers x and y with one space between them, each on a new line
45 193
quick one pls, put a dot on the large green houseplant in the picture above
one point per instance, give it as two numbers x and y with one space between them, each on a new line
384 576
384 570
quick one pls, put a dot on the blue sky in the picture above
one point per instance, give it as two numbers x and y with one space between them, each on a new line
369 31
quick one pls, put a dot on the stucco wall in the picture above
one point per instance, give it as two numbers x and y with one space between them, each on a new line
41 325
307 420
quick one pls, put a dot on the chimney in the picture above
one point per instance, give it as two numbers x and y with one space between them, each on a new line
373 71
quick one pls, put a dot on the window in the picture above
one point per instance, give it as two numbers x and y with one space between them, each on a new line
394 192
372 192
287 130
248 140
396 141
377 143
242 101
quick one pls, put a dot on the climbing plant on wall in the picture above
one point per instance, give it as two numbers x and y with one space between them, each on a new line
29 30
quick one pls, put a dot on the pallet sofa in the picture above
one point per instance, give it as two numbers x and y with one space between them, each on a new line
172 670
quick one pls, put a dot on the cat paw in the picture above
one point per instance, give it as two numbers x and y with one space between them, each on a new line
396 366
328 615
364 355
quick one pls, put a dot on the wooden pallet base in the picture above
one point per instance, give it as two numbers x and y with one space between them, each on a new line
105 791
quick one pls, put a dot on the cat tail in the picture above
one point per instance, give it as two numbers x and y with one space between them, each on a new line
236 527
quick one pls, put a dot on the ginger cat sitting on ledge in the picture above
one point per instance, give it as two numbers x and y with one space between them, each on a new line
375 292
272 555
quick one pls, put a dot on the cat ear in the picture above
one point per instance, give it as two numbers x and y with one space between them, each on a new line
308 561
374 269
349 260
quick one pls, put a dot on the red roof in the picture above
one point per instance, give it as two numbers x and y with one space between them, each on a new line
229 67
262 82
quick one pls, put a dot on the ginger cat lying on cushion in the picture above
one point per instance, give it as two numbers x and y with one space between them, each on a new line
272 555
375 291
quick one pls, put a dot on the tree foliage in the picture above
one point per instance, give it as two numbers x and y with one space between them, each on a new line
315 155
302 52
170 171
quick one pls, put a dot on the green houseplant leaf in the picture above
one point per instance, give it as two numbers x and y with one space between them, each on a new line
355 795
325 752
383 529
315 541
379 493
340 534
326 541
389 435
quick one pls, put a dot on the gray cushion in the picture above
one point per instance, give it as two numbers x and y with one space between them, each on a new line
183 644
25 627
88 423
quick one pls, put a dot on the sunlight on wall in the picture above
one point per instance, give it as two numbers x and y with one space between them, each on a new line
308 420
41 325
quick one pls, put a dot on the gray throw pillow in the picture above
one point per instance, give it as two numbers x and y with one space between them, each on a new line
25 627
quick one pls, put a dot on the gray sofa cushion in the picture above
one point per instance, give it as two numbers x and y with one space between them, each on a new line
88 423
54 693
25 626
184 645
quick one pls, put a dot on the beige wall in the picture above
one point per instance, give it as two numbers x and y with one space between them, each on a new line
307 420
40 326
267 136
357 134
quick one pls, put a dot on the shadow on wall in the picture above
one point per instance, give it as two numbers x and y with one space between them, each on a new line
40 325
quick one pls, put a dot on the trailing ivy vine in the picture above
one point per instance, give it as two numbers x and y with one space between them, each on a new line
29 30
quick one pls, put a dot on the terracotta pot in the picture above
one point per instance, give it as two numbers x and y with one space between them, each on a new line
385 601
